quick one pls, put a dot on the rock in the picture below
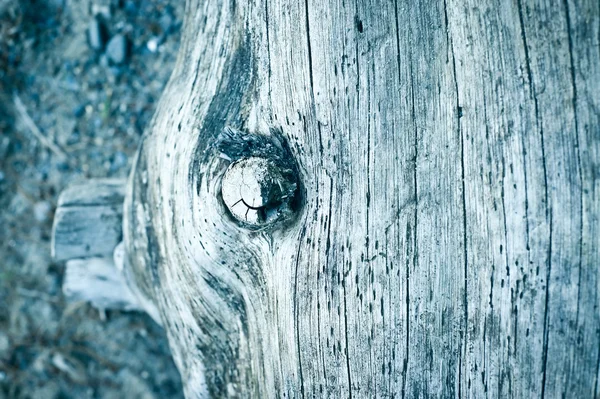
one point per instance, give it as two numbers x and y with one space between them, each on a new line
79 111
4 345
116 50
41 210
130 7
73 138
152 44
101 9
97 34
70 366
4 144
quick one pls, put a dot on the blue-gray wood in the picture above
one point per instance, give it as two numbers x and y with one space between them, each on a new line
446 242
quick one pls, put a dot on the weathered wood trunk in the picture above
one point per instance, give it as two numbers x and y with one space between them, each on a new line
445 241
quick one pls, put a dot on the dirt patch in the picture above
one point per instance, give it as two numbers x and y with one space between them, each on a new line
72 109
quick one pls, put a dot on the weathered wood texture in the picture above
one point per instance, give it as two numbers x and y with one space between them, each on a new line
447 244
98 281
87 228
88 219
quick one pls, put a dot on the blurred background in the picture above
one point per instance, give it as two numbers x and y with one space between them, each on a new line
79 81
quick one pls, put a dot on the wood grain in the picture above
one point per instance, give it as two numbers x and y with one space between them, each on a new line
98 281
446 239
88 219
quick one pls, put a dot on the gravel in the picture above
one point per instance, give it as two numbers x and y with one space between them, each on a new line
97 34
116 50
85 99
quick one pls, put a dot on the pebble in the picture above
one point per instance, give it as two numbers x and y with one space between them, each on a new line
79 111
130 7
116 50
69 367
63 166
152 44
4 144
4 345
101 9
41 210
97 34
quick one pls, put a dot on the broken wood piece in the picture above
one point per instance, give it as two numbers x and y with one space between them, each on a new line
86 233
88 220
98 281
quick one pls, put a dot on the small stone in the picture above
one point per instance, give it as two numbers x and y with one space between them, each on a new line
116 50
4 145
41 211
4 345
152 44
70 367
97 34
79 111
101 9
130 7
74 138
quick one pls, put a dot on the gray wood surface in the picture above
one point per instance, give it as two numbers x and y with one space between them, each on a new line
446 242
98 281
88 219
87 233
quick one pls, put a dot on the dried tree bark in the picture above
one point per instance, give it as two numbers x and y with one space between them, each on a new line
445 238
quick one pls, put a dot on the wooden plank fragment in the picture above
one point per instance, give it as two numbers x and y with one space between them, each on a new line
98 281
88 220
93 192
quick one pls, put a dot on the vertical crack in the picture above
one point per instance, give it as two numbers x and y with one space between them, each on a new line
327 248
268 46
579 165
296 315
597 371
415 259
545 338
575 120
548 208
313 105
310 62
346 343
506 263
464 201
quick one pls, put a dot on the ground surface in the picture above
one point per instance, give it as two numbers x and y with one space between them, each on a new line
67 113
